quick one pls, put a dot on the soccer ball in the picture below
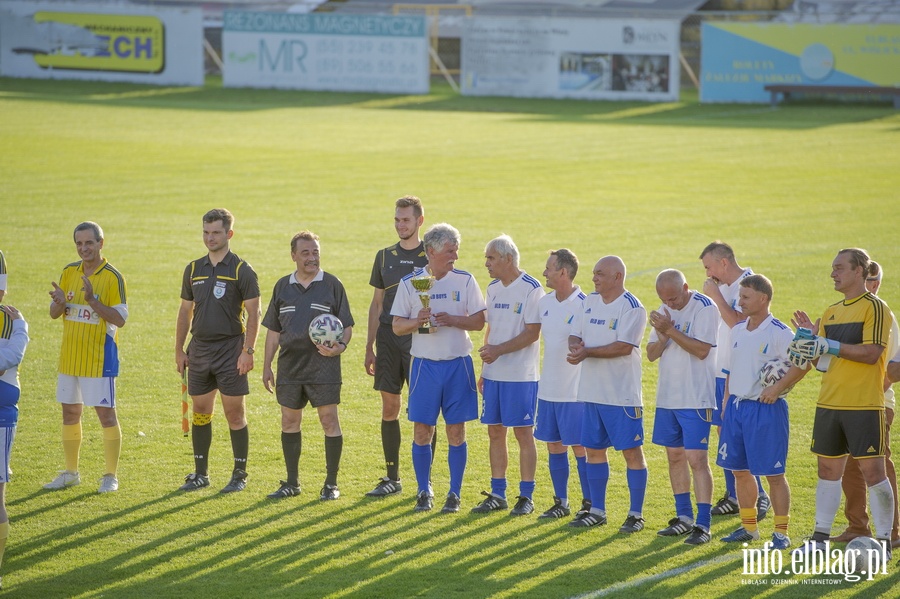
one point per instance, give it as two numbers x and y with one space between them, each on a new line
326 329
772 371
856 555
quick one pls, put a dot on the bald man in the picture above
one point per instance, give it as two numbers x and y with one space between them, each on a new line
683 340
606 340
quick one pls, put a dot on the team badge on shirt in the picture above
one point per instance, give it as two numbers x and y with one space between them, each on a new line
219 290
70 296
456 296
517 308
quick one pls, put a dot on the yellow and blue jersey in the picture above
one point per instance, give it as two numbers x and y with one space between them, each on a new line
90 344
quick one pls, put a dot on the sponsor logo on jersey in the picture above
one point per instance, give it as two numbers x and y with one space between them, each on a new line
499 306
600 321
81 313
219 290
438 296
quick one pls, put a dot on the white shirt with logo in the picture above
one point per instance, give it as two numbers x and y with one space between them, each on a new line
612 381
456 293
559 379
509 309
686 381
750 350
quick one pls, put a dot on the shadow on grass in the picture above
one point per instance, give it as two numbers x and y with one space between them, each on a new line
221 547
213 97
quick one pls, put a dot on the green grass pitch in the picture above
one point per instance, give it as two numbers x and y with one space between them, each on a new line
652 183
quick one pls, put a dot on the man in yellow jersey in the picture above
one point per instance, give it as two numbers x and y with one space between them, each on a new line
91 298
853 483
215 292
848 344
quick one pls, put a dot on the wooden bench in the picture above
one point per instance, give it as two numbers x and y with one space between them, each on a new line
785 90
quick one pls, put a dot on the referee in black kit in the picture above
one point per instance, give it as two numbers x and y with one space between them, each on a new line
307 373
215 292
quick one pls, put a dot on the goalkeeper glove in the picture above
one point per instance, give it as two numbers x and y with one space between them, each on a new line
803 333
797 360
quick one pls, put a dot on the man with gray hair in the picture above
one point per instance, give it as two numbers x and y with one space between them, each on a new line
442 376
509 383
683 339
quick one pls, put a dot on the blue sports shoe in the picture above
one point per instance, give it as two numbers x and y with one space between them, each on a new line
780 541
741 535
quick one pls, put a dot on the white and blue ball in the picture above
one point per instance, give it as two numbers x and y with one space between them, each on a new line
773 371
326 329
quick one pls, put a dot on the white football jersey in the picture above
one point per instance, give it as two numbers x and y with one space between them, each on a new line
509 309
686 381
731 293
456 293
559 379
611 381
750 350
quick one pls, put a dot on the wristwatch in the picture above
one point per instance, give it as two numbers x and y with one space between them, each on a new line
249 350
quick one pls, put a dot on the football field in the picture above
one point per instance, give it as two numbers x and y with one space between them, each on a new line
652 183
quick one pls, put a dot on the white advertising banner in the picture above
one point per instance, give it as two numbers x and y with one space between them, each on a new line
137 44
590 59
329 52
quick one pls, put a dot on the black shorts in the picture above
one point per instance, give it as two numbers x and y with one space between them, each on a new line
295 396
391 360
213 366
861 433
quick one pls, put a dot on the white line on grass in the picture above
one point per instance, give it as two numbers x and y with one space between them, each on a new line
667 574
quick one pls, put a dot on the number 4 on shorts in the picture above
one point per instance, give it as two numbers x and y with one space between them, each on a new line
723 451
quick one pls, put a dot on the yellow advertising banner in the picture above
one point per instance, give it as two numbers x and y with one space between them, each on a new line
102 42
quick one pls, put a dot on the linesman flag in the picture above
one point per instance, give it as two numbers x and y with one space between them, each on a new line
185 427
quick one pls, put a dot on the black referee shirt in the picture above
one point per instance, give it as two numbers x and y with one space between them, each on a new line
392 264
290 311
218 293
